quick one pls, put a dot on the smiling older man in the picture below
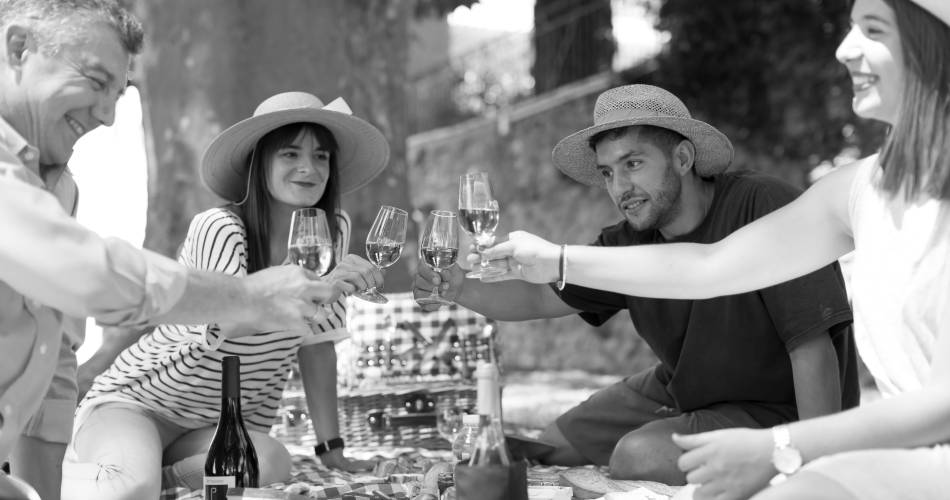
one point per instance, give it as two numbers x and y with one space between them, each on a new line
62 67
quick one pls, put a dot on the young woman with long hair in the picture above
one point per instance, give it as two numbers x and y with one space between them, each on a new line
149 418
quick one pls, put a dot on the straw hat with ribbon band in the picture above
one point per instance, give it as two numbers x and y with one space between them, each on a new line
363 151
641 105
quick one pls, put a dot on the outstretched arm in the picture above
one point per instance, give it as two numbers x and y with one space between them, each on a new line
804 235
506 301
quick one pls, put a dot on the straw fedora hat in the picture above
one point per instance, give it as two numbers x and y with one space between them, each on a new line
641 105
939 8
363 151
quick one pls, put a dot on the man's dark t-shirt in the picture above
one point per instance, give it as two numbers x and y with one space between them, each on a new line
733 348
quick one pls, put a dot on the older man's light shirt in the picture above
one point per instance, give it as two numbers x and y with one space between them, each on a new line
51 266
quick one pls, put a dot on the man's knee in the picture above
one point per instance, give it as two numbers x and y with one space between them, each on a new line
647 454
564 453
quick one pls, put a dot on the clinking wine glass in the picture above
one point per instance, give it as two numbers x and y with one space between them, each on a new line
439 246
384 244
310 245
478 215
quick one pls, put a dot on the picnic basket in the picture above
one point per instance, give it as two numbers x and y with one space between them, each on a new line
399 364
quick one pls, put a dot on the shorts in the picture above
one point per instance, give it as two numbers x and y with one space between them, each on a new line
595 426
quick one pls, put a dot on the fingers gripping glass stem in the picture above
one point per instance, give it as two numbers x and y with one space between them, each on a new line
384 245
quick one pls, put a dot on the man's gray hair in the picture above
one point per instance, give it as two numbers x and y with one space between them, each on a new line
52 19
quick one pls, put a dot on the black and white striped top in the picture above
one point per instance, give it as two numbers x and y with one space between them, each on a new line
175 370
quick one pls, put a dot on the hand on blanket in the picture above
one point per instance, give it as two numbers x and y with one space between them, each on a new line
726 464
335 459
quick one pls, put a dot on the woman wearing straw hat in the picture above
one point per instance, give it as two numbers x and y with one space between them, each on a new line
157 405
893 210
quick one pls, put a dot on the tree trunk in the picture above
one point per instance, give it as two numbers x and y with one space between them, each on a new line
208 64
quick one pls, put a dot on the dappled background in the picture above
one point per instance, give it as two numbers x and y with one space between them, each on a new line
454 91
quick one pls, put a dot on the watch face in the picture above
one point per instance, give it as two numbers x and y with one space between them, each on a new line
787 460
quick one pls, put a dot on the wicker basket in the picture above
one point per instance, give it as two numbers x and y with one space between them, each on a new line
397 366
400 415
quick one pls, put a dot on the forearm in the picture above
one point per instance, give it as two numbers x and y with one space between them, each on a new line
816 377
918 418
39 463
210 296
318 371
512 300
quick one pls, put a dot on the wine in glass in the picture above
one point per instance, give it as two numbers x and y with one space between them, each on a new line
384 244
439 247
478 215
309 244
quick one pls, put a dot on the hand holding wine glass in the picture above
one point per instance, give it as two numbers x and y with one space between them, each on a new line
478 215
384 245
439 247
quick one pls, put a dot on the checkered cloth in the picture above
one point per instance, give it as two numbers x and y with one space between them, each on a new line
321 482
393 340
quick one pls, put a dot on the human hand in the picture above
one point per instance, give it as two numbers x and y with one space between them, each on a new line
357 272
529 258
449 281
726 464
335 459
288 297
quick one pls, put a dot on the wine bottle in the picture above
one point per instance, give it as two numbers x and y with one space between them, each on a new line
490 448
231 460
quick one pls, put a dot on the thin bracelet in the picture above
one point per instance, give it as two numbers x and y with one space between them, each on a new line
562 269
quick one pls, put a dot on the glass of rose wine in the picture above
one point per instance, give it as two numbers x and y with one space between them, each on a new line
439 246
478 215
384 245
309 245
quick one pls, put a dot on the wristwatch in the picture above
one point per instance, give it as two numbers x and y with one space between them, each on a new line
331 444
785 457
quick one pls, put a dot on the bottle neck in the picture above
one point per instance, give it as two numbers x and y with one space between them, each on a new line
231 384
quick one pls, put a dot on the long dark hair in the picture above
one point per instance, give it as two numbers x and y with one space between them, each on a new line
255 212
916 155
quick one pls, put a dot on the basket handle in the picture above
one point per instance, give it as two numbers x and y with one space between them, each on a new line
379 420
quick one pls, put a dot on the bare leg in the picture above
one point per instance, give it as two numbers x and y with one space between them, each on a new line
648 453
565 454
119 454
186 458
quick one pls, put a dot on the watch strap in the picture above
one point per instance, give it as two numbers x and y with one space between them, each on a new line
330 444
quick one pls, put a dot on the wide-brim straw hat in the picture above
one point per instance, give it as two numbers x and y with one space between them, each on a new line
362 153
939 8
641 105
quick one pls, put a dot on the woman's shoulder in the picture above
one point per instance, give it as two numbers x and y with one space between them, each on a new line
216 219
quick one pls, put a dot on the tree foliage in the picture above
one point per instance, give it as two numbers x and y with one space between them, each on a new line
765 73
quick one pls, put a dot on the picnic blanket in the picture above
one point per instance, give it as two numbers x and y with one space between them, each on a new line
313 480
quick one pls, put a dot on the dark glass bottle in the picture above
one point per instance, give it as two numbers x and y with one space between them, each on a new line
231 461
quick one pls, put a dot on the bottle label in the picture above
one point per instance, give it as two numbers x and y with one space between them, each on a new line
216 487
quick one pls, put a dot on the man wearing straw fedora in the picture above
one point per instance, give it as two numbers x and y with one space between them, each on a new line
754 360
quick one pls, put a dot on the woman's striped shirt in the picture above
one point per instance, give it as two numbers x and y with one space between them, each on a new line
175 370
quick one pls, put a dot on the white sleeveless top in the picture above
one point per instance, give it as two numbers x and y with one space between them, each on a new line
900 281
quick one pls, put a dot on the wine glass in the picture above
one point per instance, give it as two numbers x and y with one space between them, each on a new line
478 215
448 421
309 244
439 246
384 244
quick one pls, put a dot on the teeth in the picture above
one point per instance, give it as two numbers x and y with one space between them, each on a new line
863 82
76 126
